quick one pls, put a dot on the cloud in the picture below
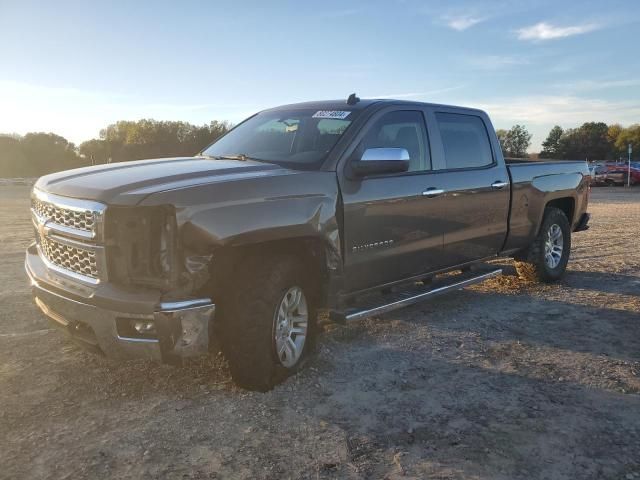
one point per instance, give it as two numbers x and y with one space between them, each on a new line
545 31
564 110
462 22
541 112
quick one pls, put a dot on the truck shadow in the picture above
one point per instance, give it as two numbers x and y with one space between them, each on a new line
494 317
604 282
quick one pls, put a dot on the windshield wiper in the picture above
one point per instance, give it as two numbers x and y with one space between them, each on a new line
240 156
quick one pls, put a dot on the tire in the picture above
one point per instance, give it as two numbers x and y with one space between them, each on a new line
251 314
535 264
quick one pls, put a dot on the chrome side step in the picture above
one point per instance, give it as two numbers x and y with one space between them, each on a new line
404 299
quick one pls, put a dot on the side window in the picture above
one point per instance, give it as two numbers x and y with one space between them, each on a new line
465 141
403 129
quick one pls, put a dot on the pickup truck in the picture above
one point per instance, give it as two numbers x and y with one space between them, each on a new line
349 208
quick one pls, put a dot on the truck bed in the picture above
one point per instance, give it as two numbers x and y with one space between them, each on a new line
533 185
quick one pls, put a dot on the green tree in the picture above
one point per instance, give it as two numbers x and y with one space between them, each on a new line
94 151
630 135
589 141
551 146
127 140
37 154
48 152
516 141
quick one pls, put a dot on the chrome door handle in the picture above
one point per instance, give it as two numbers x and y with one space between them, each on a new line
499 185
432 192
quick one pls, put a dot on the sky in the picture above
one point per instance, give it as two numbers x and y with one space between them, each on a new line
72 68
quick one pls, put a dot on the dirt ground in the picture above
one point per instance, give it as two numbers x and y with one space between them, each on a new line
505 380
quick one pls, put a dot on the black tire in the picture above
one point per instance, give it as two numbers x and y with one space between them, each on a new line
532 265
247 323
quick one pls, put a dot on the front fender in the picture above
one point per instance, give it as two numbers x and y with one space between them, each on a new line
254 210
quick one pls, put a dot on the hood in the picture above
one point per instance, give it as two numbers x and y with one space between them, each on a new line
128 183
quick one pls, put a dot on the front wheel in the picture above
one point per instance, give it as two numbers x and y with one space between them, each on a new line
546 258
268 326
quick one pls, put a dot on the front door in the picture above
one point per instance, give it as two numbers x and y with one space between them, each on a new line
392 231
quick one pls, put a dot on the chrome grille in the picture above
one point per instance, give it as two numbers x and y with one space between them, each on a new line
70 235
75 259
78 219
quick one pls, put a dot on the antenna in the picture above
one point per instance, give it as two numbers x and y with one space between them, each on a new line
352 100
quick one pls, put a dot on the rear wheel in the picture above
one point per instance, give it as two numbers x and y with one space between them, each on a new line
547 257
268 327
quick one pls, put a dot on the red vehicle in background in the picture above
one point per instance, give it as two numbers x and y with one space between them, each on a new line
623 168
611 174
602 176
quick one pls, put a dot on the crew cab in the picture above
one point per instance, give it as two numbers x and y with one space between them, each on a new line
355 208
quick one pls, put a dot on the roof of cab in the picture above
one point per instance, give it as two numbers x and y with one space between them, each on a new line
360 105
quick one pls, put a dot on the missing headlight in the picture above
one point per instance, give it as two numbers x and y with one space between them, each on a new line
141 245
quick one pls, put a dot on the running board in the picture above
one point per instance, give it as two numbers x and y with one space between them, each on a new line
394 301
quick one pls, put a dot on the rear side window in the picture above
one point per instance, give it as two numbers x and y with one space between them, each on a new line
465 141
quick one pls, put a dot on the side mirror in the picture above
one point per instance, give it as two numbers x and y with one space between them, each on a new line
381 160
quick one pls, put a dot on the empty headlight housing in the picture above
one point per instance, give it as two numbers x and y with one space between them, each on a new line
141 246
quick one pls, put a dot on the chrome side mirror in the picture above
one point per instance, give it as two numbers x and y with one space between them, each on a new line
381 160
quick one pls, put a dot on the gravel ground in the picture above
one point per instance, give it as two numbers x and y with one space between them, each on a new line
505 380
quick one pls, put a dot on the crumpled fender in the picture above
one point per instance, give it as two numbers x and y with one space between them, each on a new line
284 204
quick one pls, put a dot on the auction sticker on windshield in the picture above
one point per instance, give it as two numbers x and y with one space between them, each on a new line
339 114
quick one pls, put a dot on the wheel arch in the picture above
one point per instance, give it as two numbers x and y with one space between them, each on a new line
566 204
314 253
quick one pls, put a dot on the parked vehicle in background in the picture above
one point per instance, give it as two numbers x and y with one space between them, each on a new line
610 177
623 169
614 174
635 173
356 208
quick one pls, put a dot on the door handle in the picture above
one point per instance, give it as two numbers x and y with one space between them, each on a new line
498 185
432 192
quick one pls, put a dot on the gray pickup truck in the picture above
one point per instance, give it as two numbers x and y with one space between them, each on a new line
354 208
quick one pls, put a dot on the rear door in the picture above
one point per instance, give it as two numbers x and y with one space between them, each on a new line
475 183
391 230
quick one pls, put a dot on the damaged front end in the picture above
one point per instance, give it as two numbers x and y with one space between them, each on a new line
144 252
147 299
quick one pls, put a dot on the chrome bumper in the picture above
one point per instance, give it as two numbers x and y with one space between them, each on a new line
182 328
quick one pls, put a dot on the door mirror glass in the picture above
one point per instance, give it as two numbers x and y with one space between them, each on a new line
381 160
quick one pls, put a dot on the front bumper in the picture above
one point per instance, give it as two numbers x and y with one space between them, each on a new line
95 318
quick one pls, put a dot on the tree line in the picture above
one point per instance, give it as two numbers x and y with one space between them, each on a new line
36 154
591 141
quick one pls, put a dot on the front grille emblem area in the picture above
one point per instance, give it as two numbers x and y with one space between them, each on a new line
70 236
43 229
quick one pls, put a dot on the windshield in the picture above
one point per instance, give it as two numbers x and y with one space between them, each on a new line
293 138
